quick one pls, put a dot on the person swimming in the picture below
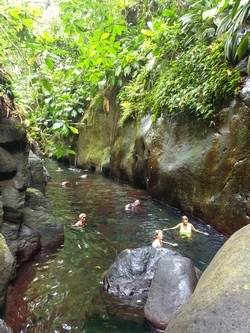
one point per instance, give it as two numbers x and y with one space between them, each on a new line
131 206
82 221
186 228
158 239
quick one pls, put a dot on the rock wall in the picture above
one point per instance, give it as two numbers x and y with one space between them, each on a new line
196 166
26 223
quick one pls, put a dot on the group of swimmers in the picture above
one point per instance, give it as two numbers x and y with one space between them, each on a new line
185 228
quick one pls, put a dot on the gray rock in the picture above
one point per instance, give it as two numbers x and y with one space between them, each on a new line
28 244
221 300
133 270
38 175
173 283
4 328
8 165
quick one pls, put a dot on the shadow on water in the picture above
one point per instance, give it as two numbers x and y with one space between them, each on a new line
61 292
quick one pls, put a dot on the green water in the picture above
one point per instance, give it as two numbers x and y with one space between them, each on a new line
62 291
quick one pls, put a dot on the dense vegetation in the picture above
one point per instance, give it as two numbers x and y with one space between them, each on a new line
164 56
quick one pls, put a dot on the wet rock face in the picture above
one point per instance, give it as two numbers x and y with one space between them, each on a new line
14 150
196 166
20 170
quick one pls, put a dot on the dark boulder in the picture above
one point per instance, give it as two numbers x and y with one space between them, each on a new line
133 270
173 283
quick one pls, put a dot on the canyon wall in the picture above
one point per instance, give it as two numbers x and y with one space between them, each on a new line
197 166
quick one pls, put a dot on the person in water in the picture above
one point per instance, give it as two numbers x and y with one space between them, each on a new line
131 206
82 221
158 238
186 228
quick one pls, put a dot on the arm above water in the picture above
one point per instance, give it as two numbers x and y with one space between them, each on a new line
196 230
173 228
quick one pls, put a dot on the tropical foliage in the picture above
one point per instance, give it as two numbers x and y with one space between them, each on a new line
164 56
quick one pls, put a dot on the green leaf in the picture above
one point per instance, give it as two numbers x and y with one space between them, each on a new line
105 35
235 8
65 130
49 63
242 48
74 130
248 65
15 14
223 26
127 70
168 13
59 153
46 84
147 32
70 151
118 70
56 126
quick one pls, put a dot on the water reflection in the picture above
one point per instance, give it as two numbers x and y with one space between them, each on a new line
61 292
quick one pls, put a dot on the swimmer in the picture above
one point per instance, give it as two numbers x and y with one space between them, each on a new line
133 205
185 227
158 238
82 221
66 183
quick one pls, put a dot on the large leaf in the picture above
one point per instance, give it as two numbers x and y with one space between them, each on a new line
242 48
224 25
47 85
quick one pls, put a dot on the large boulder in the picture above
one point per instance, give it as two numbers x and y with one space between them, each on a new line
6 272
221 300
37 216
14 157
173 283
133 270
38 175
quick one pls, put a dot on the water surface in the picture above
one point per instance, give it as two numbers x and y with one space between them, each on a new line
61 292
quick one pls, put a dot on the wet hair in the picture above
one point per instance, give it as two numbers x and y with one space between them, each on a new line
157 232
184 217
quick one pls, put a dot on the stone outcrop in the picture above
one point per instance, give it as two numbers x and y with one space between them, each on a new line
133 270
26 220
6 273
221 300
199 167
173 283
37 215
